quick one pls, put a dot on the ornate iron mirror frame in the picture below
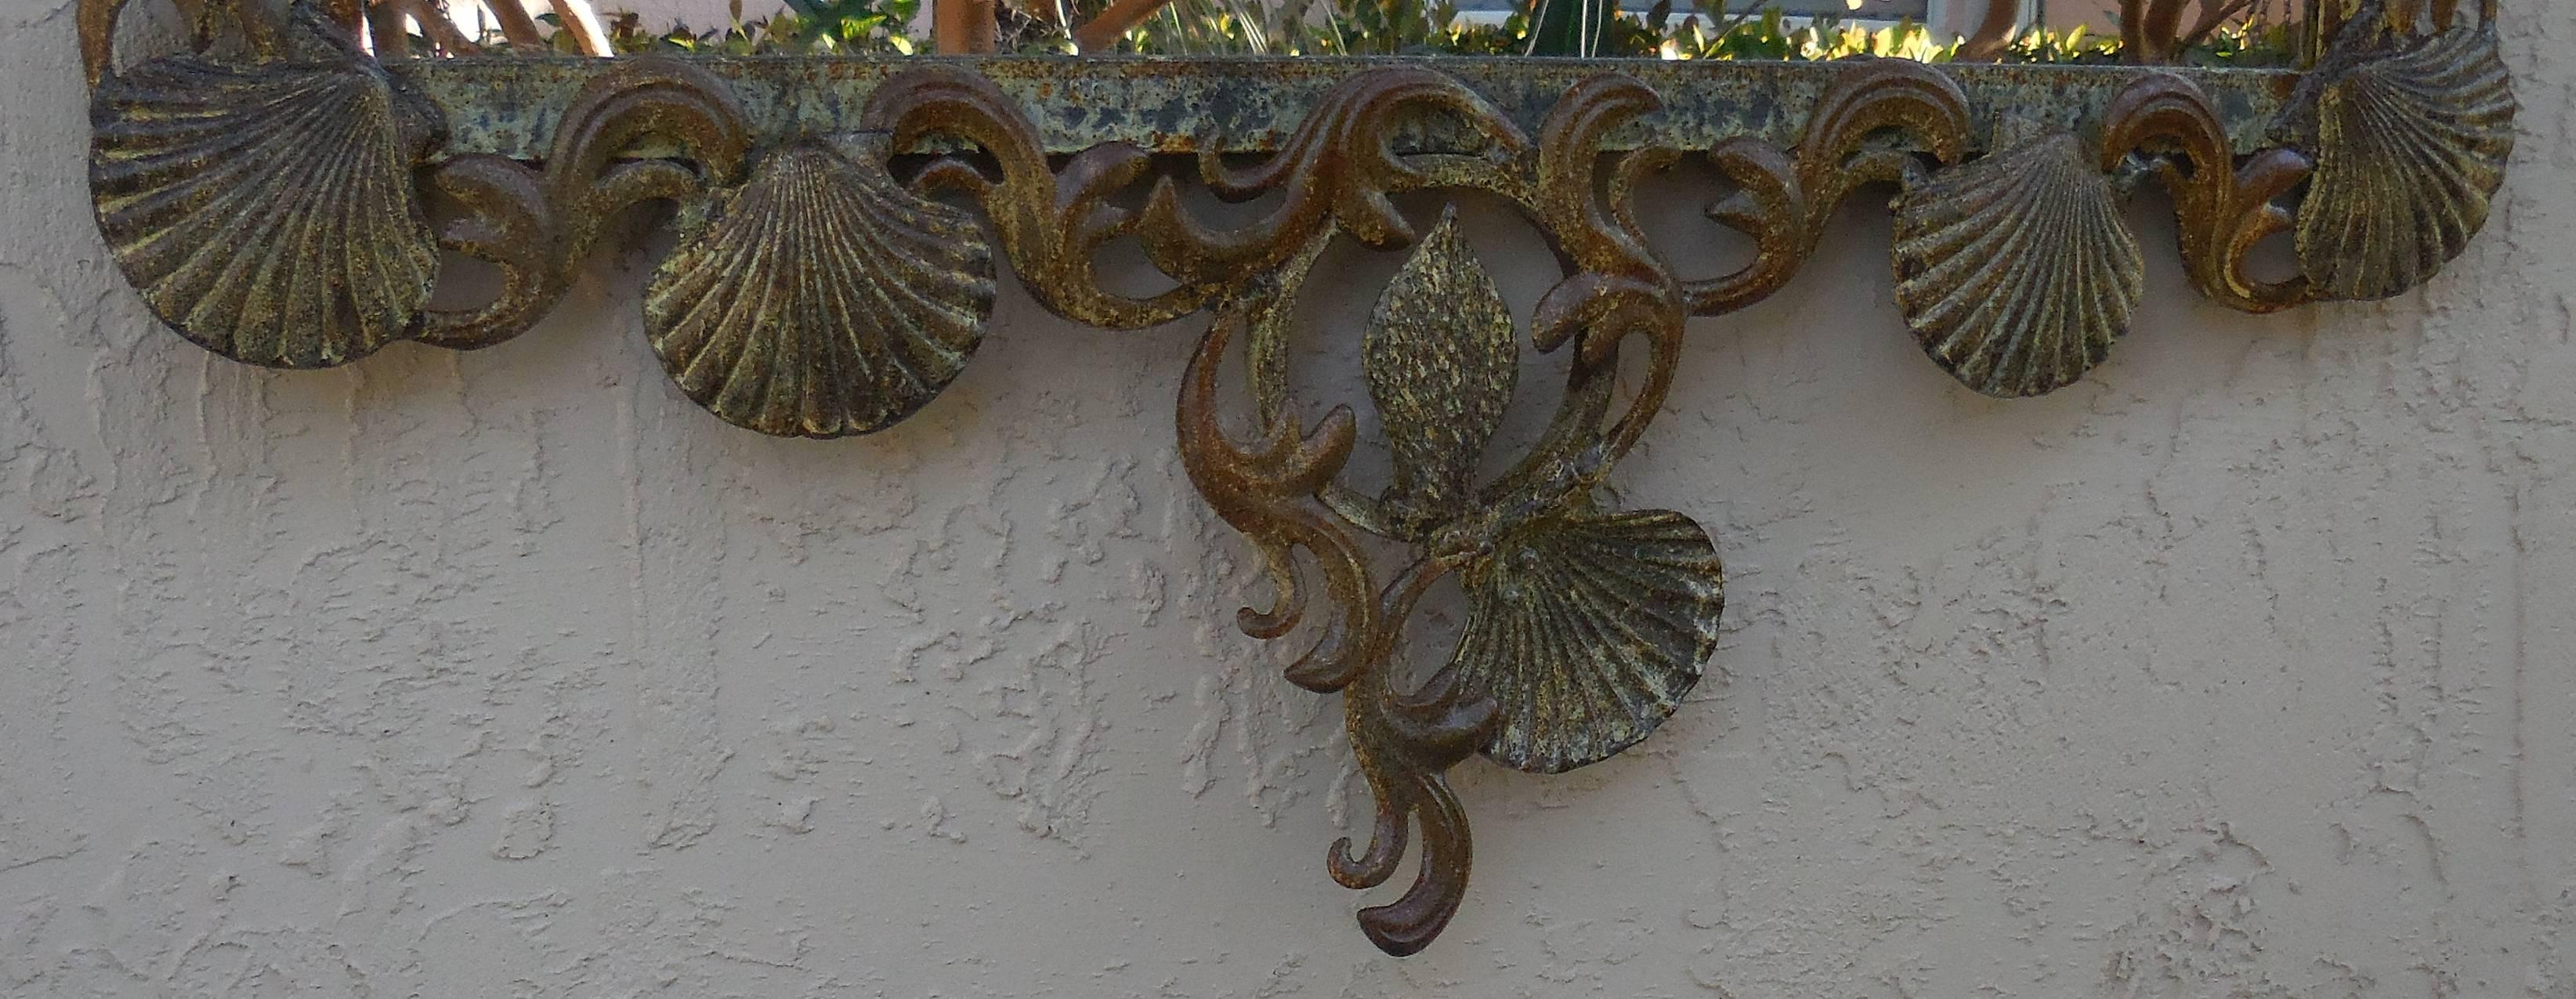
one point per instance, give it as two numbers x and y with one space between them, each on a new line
265 193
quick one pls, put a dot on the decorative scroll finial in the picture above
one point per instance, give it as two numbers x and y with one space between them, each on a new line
840 234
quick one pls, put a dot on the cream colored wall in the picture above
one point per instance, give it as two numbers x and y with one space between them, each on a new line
2242 668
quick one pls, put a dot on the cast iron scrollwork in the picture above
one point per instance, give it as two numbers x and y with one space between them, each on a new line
1586 625
272 193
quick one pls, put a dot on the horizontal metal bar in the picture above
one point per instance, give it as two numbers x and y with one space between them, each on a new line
510 106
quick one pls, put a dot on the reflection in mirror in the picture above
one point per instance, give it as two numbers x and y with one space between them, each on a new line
2194 32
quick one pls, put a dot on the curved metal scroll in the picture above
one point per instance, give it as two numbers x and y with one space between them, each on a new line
270 205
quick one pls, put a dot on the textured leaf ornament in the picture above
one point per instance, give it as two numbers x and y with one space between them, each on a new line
267 211
2016 271
1586 630
2410 147
1441 363
820 299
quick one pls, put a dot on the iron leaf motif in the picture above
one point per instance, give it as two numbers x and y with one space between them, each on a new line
1441 363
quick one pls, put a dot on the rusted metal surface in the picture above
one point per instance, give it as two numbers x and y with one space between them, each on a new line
267 210
2411 137
820 298
2017 269
270 208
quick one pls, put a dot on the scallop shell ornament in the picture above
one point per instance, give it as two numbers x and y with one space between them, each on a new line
2410 144
266 211
2016 271
1586 630
821 298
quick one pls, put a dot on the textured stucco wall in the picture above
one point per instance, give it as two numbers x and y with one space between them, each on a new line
2240 669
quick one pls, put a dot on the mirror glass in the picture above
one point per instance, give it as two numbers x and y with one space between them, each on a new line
2208 32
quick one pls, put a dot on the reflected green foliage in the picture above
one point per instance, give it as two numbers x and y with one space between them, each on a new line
1590 28
1303 27
819 27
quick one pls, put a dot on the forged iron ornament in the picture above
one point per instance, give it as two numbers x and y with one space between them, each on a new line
271 193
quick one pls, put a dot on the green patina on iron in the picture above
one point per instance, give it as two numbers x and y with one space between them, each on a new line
833 276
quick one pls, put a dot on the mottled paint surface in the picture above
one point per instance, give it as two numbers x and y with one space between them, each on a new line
2241 667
